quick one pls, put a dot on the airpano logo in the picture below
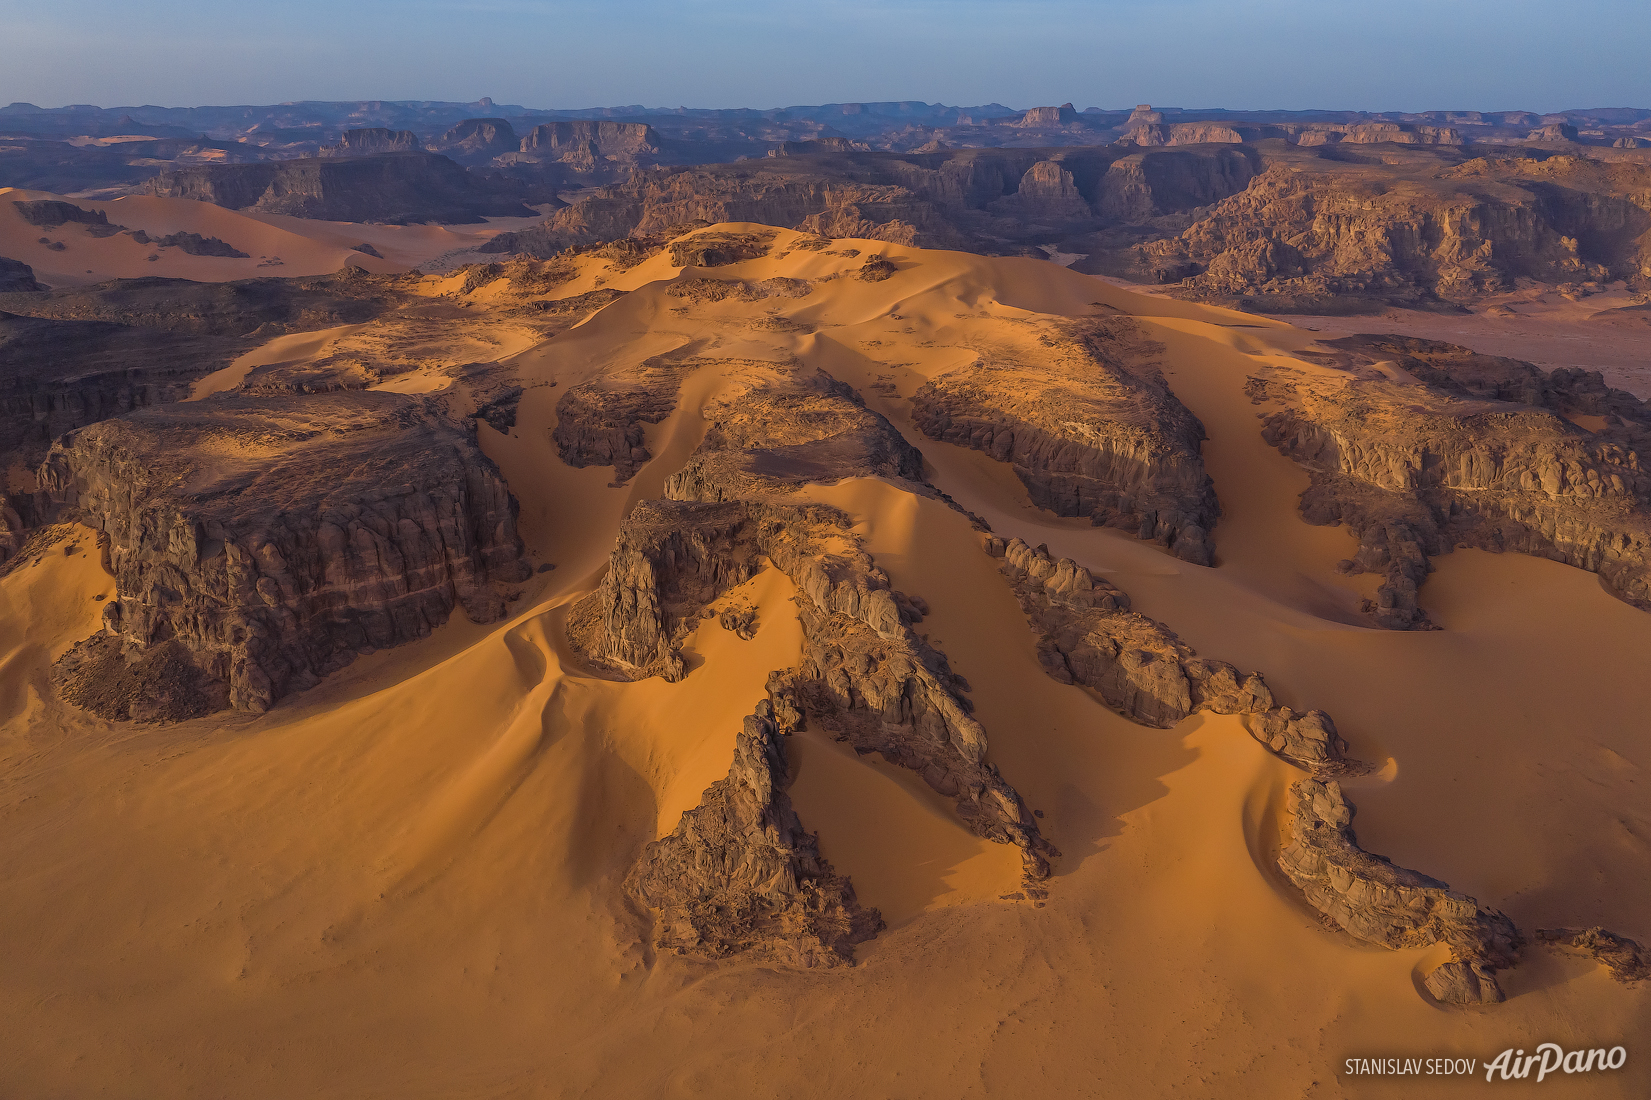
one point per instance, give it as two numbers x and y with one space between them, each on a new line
1552 1058
1510 1065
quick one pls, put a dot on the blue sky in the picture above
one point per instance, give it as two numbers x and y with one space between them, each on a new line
1371 54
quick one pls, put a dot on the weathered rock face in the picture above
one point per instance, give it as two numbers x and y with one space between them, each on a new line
1625 958
789 428
739 875
865 676
584 145
15 276
1090 428
398 188
477 140
371 140
1139 668
600 422
1477 452
272 539
947 198
1379 903
1300 237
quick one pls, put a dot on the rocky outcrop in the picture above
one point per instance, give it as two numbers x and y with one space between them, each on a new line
601 422
372 140
584 145
740 876
51 213
1089 427
787 428
477 140
1376 902
1456 449
1625 958
1303 239
1088 635
269 540
17 276
397 188
865 675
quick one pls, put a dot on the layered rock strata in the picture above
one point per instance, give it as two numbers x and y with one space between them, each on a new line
1090 428
1421 447
740 875
267 541
1088 635
1375 901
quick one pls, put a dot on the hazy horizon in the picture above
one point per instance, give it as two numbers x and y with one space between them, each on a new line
1265 55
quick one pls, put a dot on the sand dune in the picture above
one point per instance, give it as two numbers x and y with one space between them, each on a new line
275 246
404 882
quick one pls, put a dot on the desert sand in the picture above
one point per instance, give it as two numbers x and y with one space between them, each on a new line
275 246
404 882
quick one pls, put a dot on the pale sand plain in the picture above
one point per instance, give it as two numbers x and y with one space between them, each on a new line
404 882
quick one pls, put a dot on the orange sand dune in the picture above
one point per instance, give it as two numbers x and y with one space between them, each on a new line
405 881
274 245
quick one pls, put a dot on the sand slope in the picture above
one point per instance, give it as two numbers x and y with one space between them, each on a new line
404 882
275 246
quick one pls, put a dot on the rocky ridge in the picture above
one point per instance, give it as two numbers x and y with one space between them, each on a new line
1090 428
1374 901
740 876
1421 447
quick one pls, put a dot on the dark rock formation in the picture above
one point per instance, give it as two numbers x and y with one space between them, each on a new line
397 188
787 429
739 875
1476 451
1625 958
600 422
1139 668
372 140
1091 429
720 249
267 541
51 213
1377 902
865 675
196 245
15 276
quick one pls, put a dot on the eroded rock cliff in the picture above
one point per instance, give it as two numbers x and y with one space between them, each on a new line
1090 428
267 541
1421 447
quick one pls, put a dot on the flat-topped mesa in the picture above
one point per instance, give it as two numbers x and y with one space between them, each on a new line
866 676
266 541
1090 428
370 140
740 876
1479 452
579 139
398 188
788 428
1088 635
1379 903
